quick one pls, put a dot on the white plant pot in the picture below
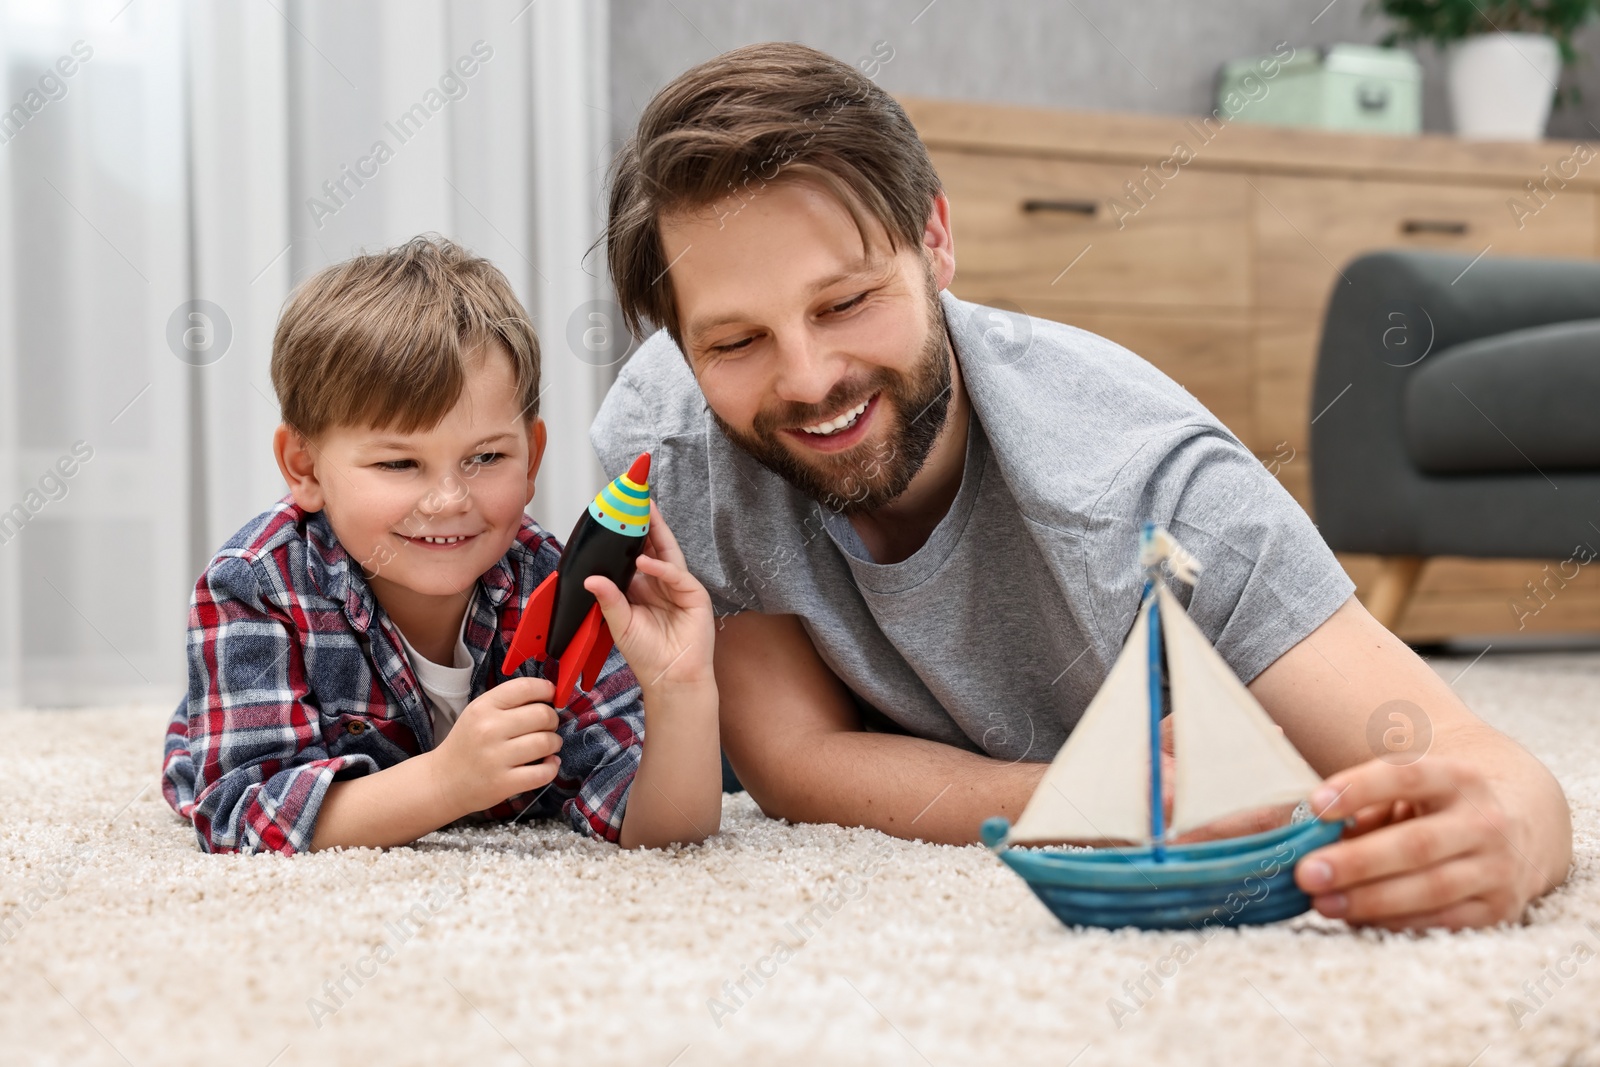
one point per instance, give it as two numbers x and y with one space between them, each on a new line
1501 85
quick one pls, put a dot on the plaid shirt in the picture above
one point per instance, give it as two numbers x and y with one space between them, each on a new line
297 679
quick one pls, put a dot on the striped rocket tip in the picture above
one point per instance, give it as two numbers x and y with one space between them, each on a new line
623 506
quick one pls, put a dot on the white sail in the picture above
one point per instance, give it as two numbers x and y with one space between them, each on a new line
1098 786
1231 756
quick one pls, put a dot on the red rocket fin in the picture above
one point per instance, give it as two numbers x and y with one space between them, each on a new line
577 654
597 656
534 628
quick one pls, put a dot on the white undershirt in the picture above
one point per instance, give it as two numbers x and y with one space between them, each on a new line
446 689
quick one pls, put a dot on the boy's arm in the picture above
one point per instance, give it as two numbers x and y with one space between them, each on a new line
393 807
503 745
795 740
602 739
261 765
664 628
669 802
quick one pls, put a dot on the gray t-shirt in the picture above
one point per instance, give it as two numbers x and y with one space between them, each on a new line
996 633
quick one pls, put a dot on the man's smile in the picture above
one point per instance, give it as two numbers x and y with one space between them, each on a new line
841 431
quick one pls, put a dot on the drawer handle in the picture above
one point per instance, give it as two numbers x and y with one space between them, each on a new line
1372 96
1070 207
1449 226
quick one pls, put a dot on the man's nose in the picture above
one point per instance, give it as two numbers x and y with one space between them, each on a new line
807 369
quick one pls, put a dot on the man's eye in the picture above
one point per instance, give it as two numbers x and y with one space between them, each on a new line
395 464
848 304
723 350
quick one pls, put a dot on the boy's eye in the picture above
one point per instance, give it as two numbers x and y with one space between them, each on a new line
395 464
483 459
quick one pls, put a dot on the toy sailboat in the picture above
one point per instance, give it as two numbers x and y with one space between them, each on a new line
1105 786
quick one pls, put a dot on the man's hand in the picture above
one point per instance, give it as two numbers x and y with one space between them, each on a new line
1432 846
1461 828
503 744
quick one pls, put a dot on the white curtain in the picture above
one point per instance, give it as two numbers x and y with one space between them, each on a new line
94 565
158 208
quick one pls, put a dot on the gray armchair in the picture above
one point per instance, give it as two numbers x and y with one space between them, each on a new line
1456 411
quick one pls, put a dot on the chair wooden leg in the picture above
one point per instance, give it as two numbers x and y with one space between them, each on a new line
1391 590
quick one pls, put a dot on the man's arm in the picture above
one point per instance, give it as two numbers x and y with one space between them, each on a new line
1465 834
794 738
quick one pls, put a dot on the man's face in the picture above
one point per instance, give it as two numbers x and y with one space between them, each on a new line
827 362
430 511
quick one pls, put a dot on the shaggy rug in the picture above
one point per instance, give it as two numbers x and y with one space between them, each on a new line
771 944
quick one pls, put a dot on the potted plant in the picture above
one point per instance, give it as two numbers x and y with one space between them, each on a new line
1505 56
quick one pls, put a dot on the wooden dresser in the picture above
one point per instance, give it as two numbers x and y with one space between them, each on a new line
1211 250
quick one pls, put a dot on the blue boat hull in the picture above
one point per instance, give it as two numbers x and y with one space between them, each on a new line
1224 883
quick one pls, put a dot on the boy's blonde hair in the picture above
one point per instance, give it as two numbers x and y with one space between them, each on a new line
380 340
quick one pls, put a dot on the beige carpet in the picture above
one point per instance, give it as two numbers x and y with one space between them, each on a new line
122 944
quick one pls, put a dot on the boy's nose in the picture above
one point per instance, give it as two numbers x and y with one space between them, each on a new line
452 495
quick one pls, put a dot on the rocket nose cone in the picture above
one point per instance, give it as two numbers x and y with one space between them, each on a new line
639 473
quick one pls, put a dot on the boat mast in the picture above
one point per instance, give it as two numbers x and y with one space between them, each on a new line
1152 574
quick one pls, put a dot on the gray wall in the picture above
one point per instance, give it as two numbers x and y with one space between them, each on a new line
1126 55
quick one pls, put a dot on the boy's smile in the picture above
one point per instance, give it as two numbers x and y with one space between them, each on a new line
424 514
442 541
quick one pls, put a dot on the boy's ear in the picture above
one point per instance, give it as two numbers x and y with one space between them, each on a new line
536 441
297 462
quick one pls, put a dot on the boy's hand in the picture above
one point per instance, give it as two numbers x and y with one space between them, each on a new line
503 743
664 626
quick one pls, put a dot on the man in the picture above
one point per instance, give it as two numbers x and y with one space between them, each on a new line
919 521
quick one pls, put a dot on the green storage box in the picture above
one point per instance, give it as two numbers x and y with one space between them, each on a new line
1343 87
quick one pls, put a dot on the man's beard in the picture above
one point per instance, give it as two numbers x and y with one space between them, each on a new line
866 477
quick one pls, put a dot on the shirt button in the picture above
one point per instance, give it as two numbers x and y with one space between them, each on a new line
356 728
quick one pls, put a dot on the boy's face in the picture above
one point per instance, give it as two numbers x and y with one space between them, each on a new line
426 513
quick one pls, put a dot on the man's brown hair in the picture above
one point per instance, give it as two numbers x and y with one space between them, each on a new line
729 127
380 340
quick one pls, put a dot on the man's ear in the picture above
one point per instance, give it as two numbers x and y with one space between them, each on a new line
536 442
939 241
297 462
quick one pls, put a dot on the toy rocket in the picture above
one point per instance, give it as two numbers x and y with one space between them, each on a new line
562 620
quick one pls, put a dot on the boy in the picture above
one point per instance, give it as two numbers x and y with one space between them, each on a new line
345 647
